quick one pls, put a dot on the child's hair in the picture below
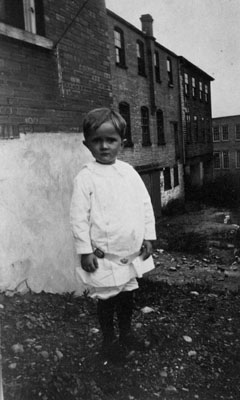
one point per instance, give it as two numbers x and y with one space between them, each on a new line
95 118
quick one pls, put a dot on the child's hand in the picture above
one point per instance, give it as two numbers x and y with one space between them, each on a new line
89 262
146 249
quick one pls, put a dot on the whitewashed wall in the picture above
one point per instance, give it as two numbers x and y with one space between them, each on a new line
36 177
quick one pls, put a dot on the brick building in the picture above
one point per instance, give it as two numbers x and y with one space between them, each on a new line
54 64
226 145
145 89
196 115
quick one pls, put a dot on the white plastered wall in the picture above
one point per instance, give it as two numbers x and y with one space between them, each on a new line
36 178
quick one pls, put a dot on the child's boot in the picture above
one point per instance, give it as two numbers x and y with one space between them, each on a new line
124 313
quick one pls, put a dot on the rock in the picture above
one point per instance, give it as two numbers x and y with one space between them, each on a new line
45 354
12 366
192 353
147 310
17 348
187 339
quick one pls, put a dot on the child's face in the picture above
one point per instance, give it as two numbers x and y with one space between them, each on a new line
104 143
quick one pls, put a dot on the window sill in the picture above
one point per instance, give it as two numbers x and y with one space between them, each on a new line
19 34
170 85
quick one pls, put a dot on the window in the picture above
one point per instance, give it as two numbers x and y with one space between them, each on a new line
237 131
157 67
206 93
188 128
175 175
216 160
200 91
208 130
145 126
119 47
238 159
167 178
160 127
225 132
193 87
225 159
140 58
124 110
186 84
169 72
203 131
216 134
23 14
195 128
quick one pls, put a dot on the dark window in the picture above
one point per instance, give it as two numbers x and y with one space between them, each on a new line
175 175
27 15
167 178
225 132
195 128
237 132
119 47
193 87
157 67
203 130
238 159
216 160
145 126
160 127
188 128
206 93
140 58
186 84
200 91
216 134
124 110
169 71
225 159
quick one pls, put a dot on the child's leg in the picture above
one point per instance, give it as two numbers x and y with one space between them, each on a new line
105 310
124 305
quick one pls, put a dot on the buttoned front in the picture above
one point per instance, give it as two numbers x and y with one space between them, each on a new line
111 210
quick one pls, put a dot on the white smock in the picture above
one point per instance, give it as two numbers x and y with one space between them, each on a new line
111 210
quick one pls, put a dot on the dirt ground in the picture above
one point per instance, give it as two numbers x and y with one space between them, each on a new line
187 310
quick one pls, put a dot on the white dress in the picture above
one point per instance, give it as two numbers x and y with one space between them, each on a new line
111 210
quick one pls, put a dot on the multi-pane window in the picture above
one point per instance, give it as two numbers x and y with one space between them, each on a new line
206 93
119 47
225 159
140 57
169 71
195 127
145 126
175 175
200 90
124 110
225 132
237 132
216 134
23 14
221 159
193 87
208 130
238 159
217 160
167 178
188 128
160 127
186 84
157 67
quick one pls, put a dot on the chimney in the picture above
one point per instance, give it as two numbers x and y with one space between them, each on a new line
147 24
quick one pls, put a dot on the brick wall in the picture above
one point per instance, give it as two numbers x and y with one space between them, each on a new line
50 89
128 86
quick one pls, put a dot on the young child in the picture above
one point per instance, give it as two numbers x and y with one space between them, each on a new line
113 225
